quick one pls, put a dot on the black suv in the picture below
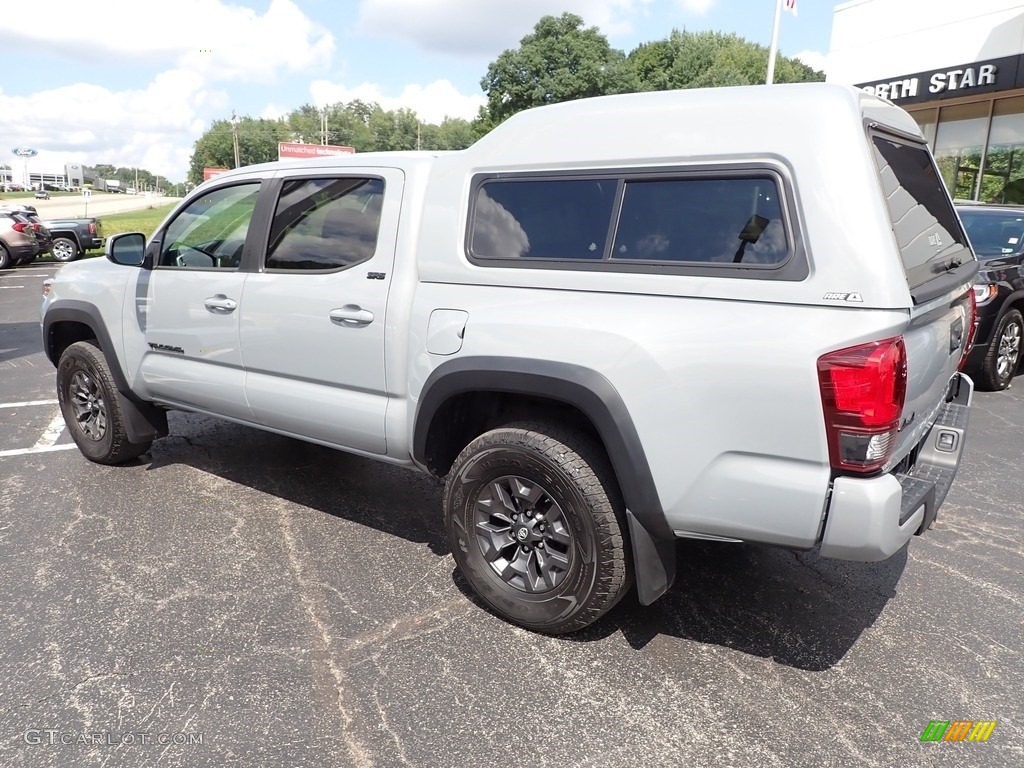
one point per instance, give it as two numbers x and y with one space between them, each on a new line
997 234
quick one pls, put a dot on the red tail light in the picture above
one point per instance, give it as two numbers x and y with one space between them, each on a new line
972 329
35 226
19 226
92 227
863 389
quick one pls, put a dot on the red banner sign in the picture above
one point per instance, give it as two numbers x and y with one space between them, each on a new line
209 173
290 150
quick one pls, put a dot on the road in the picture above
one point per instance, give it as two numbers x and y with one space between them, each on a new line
101 203
288 605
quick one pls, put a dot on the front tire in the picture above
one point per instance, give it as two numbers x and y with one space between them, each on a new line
537 526
88 400
64 249
1003 356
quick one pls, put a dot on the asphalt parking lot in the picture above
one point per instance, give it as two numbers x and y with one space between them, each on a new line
238 598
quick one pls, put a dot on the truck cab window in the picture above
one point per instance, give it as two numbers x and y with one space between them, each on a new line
210 232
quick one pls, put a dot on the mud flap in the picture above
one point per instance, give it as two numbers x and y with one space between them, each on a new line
654 561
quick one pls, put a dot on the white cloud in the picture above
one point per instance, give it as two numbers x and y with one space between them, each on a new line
698 7
813 59
475 27
218 40
431 102
152 127
273 112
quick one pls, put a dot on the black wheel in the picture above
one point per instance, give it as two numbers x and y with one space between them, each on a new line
5 258
1003 356
537 526
88 399
64 249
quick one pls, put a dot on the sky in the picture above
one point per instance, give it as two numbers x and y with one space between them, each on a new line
136 82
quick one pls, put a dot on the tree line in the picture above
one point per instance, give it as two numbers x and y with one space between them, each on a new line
559 61
129 176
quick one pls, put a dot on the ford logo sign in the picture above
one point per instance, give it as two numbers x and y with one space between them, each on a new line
25 152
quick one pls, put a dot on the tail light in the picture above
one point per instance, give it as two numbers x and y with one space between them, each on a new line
863 389
92 227
19 226
972 329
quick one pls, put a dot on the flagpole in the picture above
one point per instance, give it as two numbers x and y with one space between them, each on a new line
775 43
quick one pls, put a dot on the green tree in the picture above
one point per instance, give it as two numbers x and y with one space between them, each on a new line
560 61
257 143
710 59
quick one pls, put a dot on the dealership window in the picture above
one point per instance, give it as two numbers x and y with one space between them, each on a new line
959 143
926 122
1004 161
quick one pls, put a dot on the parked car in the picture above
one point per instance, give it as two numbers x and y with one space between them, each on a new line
42 194
997 234
17 239
72 237
43 235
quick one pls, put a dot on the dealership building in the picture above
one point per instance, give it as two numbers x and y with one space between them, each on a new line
958 68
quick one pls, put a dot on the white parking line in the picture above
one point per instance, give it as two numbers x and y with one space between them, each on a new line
45 443
51 434
28 402
12 286
48 449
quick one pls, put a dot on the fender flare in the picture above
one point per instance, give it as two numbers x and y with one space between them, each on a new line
652 540
143 420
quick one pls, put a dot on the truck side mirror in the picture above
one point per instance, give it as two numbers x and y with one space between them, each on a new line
127 249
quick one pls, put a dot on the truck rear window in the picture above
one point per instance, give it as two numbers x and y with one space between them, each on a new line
923 220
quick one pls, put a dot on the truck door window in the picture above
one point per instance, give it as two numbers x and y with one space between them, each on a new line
210 232
325 224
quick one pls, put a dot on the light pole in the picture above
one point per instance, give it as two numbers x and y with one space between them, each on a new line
234 136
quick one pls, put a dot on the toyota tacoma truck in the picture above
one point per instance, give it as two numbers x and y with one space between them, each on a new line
608 325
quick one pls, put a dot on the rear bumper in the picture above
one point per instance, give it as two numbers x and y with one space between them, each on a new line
871 519
26 251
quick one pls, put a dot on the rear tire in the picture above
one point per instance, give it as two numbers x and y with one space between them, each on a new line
1003 356
88 400
64 249
5 258
537 526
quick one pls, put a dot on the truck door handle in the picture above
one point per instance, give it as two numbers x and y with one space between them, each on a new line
351 314
221 304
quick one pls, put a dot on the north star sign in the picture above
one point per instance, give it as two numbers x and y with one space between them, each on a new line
949 82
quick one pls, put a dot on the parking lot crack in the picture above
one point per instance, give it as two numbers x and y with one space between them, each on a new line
357 751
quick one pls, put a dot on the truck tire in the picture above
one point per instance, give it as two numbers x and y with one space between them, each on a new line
5 258
89 402
64 249
1003 356
537 526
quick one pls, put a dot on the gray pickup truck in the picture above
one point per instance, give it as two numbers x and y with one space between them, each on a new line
73 237
609 324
